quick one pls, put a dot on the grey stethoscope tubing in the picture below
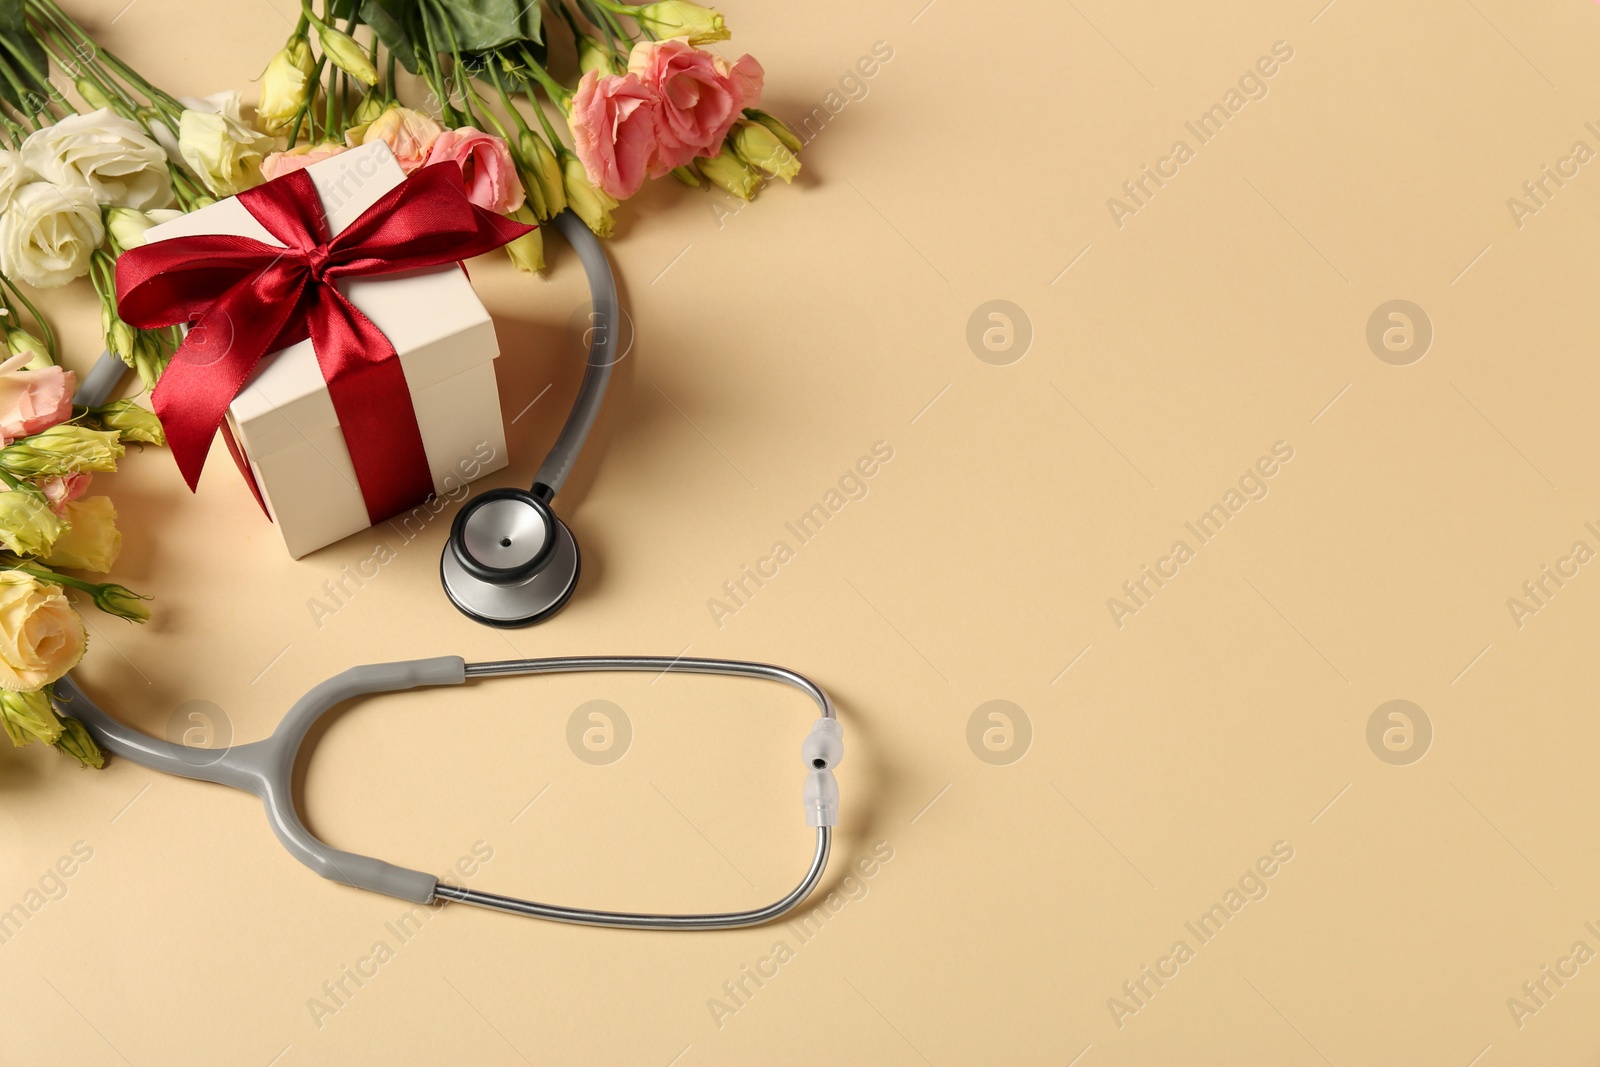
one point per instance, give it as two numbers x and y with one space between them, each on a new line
265 769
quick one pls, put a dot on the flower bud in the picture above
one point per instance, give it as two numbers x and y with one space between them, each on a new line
132 421
150 357
27 525
342 50
64 449
91 541
762 149
590 204
93 95
19 341
28 717
127 227
730 173
76 742
598 56
673 18
544 176
370 107
779 130
124 603
286 87
119 337
527 251
688 176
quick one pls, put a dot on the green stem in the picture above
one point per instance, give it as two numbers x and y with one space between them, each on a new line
434 72
506 101
17 88
305 108
25 62
333 96
45 574
549 130
162 100
559 94
124 104
600 20
610 20
463 80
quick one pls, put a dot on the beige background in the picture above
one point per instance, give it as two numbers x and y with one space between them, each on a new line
775 345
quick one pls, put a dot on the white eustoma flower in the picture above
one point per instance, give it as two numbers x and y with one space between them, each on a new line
105 153
48 232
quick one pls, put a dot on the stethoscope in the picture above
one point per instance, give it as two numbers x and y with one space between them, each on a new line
509 561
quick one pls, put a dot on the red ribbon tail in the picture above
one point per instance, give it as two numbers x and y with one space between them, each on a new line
243 463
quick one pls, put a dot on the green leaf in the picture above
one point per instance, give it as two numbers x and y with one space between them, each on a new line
481 25
14 29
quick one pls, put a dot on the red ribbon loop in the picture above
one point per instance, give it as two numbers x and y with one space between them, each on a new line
243 298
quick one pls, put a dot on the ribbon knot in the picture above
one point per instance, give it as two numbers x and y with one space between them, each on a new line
244 298
316 260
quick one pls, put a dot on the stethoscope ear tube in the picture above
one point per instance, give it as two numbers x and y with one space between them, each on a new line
265 768
605 326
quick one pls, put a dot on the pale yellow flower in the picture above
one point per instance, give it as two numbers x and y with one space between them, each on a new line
41 637
91 541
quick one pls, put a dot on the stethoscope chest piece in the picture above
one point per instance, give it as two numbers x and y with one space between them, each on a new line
509 560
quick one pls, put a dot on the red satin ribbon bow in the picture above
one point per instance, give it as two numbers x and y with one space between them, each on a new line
243 298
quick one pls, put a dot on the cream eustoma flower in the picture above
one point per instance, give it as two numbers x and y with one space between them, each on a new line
41 637
219 145
48 233
109 155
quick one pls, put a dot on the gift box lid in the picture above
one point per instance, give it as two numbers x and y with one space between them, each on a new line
434 319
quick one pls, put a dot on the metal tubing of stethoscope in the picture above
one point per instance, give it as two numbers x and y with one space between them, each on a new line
664 664
639 921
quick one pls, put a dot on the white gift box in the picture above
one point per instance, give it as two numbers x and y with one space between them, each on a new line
284 419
